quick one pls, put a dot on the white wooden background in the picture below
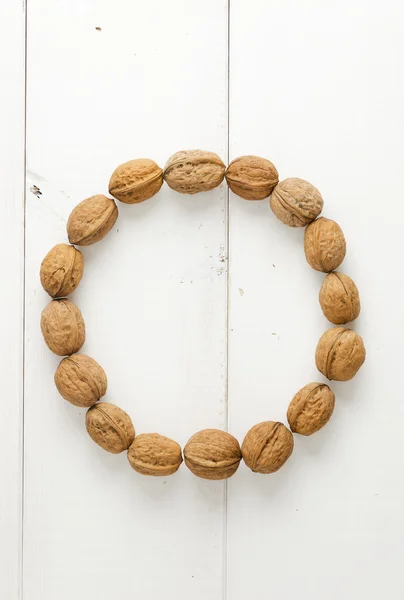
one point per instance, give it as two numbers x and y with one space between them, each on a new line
202 309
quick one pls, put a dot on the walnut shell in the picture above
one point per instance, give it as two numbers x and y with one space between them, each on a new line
339 298
212 454
296 202
324 245
91 220
311 408
62 327
251 177
110 427
80 380
193 171
61 270
267 446
154 454
340 353
136 181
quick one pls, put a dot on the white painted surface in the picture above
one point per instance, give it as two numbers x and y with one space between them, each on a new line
316 87
153 297
12 123
319 89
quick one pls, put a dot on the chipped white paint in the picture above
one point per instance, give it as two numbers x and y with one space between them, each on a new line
316 87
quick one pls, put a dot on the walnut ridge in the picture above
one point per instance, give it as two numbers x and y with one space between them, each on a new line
136 181
110 427
340 354
311 408
296 202
153 454
80 380
252 177
324 245
339 299
62 327
193 171
212 454
267 446
91 220
61 270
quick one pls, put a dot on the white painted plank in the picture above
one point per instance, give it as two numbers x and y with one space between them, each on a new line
149 82
12 111
318 88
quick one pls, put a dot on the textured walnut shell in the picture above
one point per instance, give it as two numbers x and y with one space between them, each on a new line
156 455
110 427
62 327
212 454
80 380
296 202
339 299
136 181
340 354
267 446
311 408
324 245
193 171
61 270
91 220
252 177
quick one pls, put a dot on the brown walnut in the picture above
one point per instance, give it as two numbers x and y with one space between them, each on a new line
136 181
110 427
91 220
340 353
154 454
61 270
267 446
296 202
324 245
62 327
193 171
80 380
311 408
212 454
252 177
339 299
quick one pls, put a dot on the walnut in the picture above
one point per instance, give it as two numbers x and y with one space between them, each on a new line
340 354
62 327
296 202
110 427
252 177
339 299
136 181
91 220
311 408
154 454
324 245
193 171
80 380
61 270
212 454
267 446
